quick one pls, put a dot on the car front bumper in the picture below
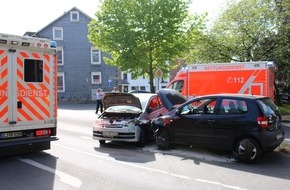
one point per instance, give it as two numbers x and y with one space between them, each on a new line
127 134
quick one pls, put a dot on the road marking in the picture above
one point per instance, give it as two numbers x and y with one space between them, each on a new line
220 184
87 138
65 178
124 163
150 169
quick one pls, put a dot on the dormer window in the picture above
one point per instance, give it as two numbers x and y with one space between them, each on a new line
74 16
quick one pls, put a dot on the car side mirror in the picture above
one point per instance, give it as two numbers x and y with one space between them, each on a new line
177 112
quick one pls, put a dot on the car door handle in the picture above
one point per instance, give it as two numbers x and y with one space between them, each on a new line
210 120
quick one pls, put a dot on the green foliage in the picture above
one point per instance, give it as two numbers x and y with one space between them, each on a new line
243 27
141 35
248 30
284 109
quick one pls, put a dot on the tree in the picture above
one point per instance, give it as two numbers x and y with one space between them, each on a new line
243 30
248 30
141 35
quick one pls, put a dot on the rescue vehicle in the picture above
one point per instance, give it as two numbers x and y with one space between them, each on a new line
242 77
28 94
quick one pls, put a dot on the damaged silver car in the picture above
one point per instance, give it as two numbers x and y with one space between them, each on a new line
127 116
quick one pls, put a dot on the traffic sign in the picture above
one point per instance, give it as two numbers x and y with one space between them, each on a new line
158 73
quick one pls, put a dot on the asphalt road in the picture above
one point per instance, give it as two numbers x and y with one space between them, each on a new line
76 161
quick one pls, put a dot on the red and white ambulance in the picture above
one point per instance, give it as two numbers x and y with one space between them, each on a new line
28 94
242 77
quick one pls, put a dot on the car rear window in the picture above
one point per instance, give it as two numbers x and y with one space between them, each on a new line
267 105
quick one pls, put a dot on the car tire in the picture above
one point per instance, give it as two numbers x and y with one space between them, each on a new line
162 139
247 150
102 142
142 138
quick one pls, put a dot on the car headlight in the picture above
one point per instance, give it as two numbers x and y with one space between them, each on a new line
131 123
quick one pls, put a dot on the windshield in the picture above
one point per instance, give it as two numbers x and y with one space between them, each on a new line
177 85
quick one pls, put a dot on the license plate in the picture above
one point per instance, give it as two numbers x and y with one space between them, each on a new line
110 133
279 136
11 134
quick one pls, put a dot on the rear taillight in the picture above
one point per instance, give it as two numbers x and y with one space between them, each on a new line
43 132
262 121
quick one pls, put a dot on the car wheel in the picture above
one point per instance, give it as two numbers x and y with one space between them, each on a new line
247 150
102 142
162 139
142 139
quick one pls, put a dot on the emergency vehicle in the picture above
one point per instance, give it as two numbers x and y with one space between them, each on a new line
28 94
242 77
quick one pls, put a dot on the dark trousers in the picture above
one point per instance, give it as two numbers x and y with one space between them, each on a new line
99 105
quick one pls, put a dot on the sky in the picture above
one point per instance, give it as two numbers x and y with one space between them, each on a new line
20 16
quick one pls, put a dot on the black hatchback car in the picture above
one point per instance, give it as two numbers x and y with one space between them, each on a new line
248 125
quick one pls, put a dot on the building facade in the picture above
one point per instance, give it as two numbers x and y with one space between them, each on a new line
81 68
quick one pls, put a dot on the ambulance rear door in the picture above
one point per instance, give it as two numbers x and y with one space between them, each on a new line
28 83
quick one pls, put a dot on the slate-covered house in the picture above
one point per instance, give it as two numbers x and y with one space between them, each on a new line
81 68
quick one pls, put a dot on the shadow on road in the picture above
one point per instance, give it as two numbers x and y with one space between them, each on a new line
129 152
273 164
25 172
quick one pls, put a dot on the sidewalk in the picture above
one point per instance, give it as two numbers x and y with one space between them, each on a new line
286 119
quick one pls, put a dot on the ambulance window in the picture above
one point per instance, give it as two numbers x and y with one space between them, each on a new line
33 70
177 85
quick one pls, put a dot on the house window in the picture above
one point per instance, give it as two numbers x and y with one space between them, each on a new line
133 76
125 76
59 51
96 77
60 82
57 33
74 16
95 56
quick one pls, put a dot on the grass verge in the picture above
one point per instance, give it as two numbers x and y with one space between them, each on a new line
284 109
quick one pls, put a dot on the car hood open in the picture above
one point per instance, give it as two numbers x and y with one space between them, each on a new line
170 98
120 99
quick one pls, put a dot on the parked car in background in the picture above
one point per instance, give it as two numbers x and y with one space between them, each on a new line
138 91
248 125
127 116
285 98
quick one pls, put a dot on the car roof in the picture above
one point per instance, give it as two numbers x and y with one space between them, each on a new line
235 95
139 91
144 97
169 97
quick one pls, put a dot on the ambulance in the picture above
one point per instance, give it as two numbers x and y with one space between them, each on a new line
241 77
28 94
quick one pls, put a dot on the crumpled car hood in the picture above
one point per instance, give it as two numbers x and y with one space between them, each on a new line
120 99
171 98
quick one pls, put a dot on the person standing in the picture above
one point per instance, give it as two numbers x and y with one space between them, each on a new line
99 97
115 90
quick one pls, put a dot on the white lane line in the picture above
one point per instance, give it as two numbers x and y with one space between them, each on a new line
150 169
87 138
120 162
65 178
220 184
